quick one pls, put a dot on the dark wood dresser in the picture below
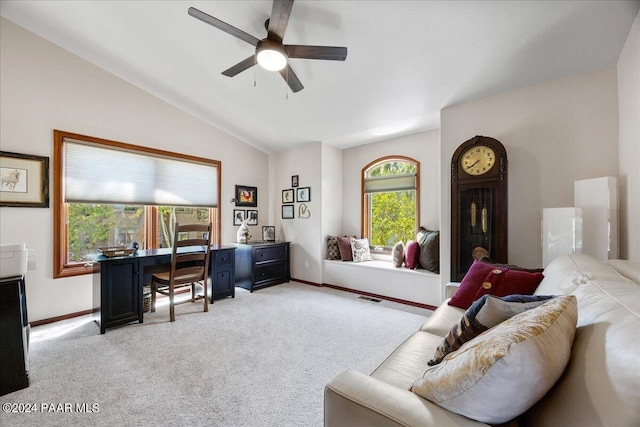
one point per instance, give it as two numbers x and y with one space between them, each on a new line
14 339
261 264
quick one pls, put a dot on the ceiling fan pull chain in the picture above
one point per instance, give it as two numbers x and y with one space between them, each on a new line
254 77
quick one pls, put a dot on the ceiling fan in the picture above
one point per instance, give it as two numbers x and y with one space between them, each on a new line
271 53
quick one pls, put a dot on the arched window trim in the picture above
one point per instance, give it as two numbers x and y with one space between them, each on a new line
364 210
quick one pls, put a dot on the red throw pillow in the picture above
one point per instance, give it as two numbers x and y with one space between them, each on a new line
344 246
484 279
412 254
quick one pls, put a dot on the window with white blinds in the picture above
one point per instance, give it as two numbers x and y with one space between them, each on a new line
390 183
94 173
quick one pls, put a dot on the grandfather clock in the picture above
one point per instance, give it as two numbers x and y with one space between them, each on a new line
479 217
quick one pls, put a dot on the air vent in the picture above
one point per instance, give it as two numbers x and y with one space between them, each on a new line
369 298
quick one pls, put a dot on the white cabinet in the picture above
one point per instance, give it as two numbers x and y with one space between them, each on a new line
598 200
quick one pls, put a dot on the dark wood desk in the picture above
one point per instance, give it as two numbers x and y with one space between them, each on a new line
118 282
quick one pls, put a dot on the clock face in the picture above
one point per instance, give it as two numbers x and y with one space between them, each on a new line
477 160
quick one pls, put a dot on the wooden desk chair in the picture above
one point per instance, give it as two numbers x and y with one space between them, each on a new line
188 266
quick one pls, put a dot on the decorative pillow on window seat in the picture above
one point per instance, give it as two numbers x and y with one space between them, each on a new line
412 255
397 254
484 279
360 250
484 314
429 241
333 252
501 373
344 246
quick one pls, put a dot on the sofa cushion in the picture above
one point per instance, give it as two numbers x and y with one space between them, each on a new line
488 260
429 242
332 248
484 279
344 246
500 374
408 361
412 255
397 254
629 269
360 250
485 313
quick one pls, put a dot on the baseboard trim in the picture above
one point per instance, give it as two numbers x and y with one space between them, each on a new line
369 294
59 318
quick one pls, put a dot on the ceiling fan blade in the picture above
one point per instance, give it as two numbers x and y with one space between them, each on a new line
280 12
292 80
331 53
240 66
198 14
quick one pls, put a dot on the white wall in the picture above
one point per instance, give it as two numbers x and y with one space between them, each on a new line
554 133
42 88
629 144
423 147
331 194
305 235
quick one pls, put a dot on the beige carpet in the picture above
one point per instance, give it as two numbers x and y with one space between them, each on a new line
261 359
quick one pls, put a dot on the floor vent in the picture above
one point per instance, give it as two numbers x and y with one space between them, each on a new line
369 299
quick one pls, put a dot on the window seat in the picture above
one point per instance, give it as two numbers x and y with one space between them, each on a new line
380 277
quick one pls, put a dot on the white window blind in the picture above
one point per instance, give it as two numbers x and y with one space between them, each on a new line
390 183
97 174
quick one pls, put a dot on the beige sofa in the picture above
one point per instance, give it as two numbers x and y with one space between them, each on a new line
599 387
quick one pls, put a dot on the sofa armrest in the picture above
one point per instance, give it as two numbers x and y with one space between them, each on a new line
450 289
355 399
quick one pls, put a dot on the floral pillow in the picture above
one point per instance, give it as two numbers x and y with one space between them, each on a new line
360 250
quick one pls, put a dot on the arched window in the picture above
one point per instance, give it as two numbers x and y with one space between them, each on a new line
390 201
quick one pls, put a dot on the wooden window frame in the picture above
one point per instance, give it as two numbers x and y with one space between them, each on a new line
365 217
60 209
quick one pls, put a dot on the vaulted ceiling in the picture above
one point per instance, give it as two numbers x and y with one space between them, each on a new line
406 59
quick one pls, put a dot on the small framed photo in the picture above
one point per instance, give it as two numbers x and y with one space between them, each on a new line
24 180
303 195
287 196
246 196
269 233
238 216
287 211
294 181
252 217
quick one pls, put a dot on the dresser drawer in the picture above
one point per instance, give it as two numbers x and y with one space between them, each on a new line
270 272
271 254
222 258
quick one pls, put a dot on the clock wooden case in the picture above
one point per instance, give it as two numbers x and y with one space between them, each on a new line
479 204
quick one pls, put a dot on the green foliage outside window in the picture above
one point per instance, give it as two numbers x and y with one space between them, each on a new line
92 226
393 214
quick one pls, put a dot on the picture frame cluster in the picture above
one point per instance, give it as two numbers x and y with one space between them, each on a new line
295 194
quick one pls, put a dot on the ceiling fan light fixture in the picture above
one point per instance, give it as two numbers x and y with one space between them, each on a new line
271 55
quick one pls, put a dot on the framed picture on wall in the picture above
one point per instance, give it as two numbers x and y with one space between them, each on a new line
24 180
246 196
294 181
304 194
287 211
252 217
287 196
238 216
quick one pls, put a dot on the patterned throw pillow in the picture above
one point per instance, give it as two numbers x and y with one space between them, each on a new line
332 248
397 254
344 246
503 372
360 250
484 314
484 279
